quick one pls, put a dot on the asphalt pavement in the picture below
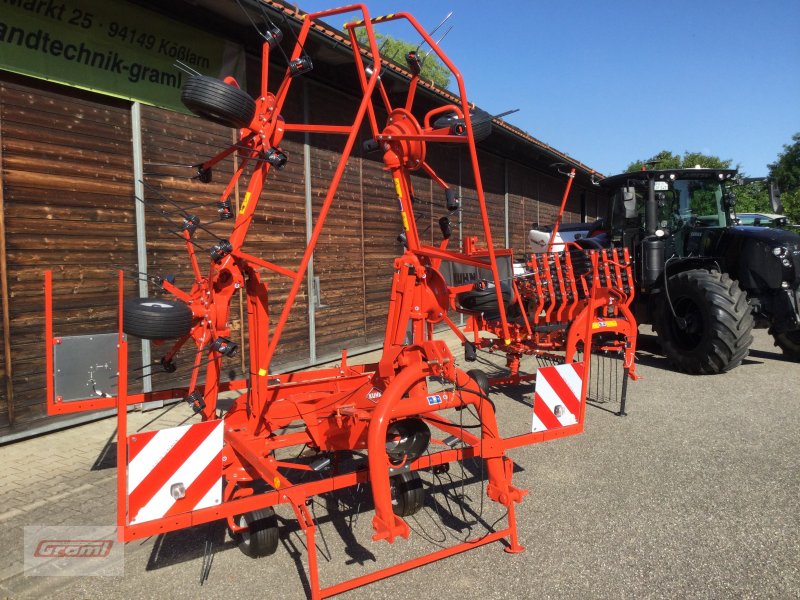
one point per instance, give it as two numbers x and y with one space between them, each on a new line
694 494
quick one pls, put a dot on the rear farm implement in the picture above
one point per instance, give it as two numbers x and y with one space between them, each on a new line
231 464
560 301
556 307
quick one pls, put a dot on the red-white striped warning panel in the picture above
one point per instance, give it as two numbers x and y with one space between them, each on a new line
175 470
557 399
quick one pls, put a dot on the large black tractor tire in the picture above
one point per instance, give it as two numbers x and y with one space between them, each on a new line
261 536
789 342
408 494
156 319
718 325
218 102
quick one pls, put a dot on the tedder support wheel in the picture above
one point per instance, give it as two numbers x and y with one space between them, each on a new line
261 536
218 102
713 331
481 378
156 319
408 495
789 342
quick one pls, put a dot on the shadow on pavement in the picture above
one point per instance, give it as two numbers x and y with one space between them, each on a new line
107 459
187 544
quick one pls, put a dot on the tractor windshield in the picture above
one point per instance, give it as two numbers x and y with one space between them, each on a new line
691 202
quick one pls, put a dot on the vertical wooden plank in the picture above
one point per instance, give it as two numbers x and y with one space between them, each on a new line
8 374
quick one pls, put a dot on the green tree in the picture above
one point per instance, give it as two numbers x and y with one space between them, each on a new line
791 205
433 70
667 160
785 172
752 197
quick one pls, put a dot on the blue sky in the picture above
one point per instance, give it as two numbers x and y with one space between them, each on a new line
612 82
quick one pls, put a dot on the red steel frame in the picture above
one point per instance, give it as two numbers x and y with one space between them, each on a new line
334 404
571 177
555 304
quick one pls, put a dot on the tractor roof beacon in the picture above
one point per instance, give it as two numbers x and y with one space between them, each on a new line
703 282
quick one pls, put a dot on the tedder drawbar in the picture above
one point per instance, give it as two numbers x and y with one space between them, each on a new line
230 465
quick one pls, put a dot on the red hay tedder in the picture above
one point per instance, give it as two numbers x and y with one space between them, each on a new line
230 465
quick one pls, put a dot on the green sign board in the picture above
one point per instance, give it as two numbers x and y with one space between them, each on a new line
112 47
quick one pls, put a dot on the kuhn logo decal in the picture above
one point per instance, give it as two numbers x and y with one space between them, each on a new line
374 394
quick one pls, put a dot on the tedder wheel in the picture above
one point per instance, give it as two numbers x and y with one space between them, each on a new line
408 495
481 378
156 319
218 102
482 129
261 536
789 342
713 331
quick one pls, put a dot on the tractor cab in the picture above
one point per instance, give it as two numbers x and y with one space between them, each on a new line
668 213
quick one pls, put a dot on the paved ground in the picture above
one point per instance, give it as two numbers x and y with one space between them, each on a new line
695 494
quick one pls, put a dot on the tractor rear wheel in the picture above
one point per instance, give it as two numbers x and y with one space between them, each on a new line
261 536
789 342
713 330
408 495
218 102
156 319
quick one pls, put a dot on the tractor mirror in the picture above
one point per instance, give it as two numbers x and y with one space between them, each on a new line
629 201
775 198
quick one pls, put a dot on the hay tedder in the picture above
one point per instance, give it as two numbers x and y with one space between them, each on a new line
560 301
236 464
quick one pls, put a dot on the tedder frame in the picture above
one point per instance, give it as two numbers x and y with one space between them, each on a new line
230 465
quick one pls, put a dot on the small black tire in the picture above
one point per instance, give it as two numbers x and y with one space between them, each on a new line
218 102
408 493
482 130
789 342
156 319
481 378
260 538
719 324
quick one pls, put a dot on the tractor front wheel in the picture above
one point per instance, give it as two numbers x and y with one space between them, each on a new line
711 330
789 342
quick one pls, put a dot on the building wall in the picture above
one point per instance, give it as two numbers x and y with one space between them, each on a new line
69 206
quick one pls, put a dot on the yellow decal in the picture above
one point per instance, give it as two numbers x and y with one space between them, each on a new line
243 207
507 341
262 372
276 482
405 220
603 324
397 188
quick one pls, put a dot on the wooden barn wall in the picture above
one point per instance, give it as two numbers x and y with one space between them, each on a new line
518 217
68 192
169 192
339 255
67 189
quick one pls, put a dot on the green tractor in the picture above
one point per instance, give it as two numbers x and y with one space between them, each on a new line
702 282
